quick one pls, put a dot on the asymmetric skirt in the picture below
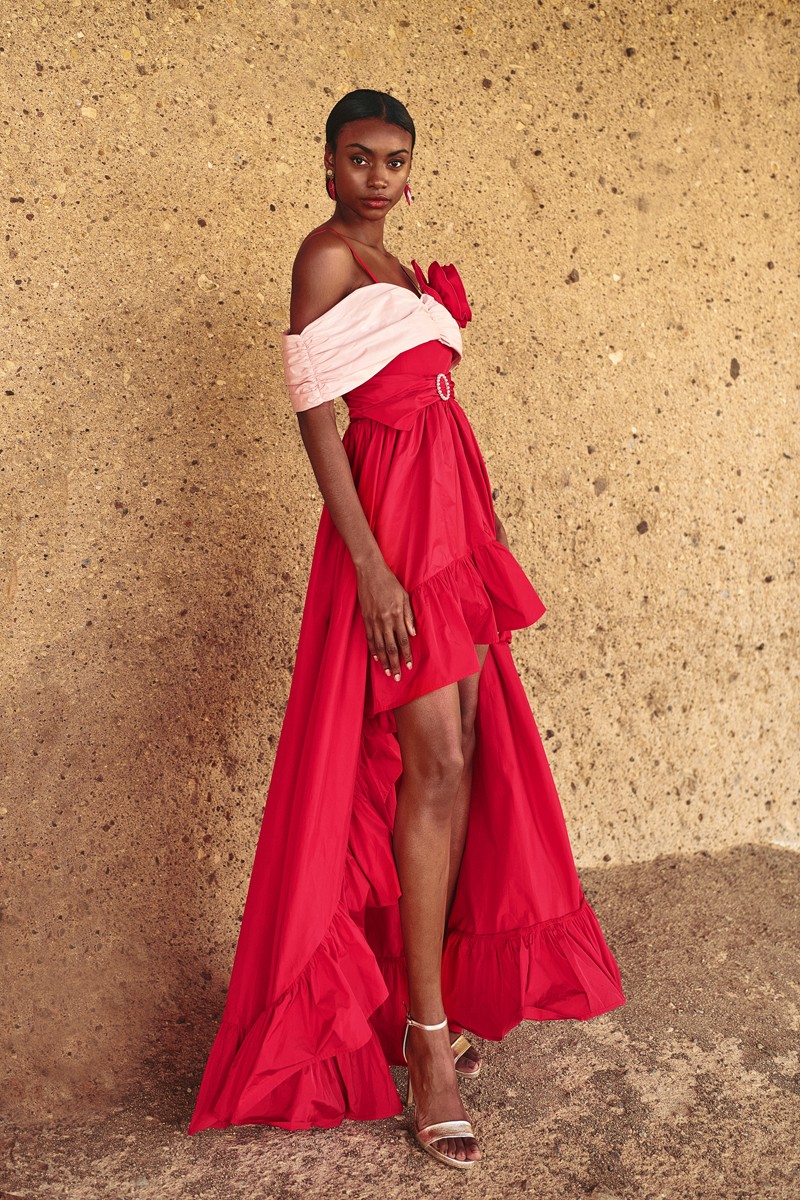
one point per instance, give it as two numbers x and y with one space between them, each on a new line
314 1013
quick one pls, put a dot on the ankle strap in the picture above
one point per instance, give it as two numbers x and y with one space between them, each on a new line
410 1021
418 1024
421 1026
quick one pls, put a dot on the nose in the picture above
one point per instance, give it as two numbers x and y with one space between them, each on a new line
377 179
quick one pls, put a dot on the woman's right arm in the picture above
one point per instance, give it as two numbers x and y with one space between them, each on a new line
319 280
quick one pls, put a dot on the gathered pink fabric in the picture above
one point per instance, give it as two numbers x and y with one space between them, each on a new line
352 341
314 1013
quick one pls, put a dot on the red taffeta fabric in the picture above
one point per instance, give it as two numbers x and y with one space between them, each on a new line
314 1012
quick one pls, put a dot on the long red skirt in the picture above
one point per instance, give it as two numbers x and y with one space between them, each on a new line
314 1012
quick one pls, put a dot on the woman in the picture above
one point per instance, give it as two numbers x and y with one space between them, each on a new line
413 853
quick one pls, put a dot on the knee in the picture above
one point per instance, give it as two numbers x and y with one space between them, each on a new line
436 776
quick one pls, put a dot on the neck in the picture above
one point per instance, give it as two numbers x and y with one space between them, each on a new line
367 233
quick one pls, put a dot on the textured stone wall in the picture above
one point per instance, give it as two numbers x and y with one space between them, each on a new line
618 186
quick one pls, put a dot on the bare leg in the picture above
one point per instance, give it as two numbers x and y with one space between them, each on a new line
429 733
468 701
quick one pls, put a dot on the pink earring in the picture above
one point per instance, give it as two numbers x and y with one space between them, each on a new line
407 193
330 186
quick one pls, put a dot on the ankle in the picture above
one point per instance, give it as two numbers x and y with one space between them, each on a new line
428 1017
424 1034
429 1053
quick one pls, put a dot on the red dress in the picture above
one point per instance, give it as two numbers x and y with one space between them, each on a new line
314 1012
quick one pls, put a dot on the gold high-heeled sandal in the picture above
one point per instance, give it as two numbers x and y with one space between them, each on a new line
460 1047
441 1129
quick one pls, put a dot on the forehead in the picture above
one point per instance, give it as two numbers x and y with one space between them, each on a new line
376 133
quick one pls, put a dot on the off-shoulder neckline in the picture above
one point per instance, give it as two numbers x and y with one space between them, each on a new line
418 298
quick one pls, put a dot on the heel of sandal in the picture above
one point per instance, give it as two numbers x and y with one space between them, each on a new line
409 1092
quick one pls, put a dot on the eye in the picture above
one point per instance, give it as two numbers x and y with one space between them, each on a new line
400 162
356 158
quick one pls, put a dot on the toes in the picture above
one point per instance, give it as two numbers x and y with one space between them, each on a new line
459 1149
469 1148
469 1062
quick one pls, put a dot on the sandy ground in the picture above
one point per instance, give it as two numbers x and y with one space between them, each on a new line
690 1090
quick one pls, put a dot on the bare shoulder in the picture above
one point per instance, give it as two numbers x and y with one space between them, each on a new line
322 275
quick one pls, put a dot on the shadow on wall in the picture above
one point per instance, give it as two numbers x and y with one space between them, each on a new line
157 714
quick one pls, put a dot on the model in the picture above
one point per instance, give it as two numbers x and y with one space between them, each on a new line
413 876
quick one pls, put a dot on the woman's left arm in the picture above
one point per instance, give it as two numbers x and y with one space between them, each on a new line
500 532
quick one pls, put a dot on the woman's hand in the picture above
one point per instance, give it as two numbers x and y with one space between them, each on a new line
388 619
500 532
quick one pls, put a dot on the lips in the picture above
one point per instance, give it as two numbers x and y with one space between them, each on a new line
375 201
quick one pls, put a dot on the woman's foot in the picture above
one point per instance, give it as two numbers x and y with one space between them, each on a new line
469 1063
435 1088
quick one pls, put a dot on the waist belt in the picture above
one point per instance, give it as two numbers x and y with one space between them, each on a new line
396 400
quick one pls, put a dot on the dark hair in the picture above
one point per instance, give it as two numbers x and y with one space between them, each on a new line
363 103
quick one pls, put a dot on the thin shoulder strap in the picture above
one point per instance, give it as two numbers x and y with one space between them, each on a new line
411 277
356 256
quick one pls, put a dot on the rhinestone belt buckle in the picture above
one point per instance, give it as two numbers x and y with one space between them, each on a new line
441 378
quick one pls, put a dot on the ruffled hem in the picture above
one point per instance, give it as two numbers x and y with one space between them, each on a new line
557 970
320 1052
320 1055
476 599
312 1058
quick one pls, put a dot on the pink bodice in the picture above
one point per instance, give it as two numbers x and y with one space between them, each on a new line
358 337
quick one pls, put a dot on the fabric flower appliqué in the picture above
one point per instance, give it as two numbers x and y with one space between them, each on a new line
444 284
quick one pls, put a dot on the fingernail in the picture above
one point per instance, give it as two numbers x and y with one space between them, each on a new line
375 657
408 664
397 676
386 669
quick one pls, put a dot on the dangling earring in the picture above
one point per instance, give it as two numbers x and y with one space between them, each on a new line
330 186
407 193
